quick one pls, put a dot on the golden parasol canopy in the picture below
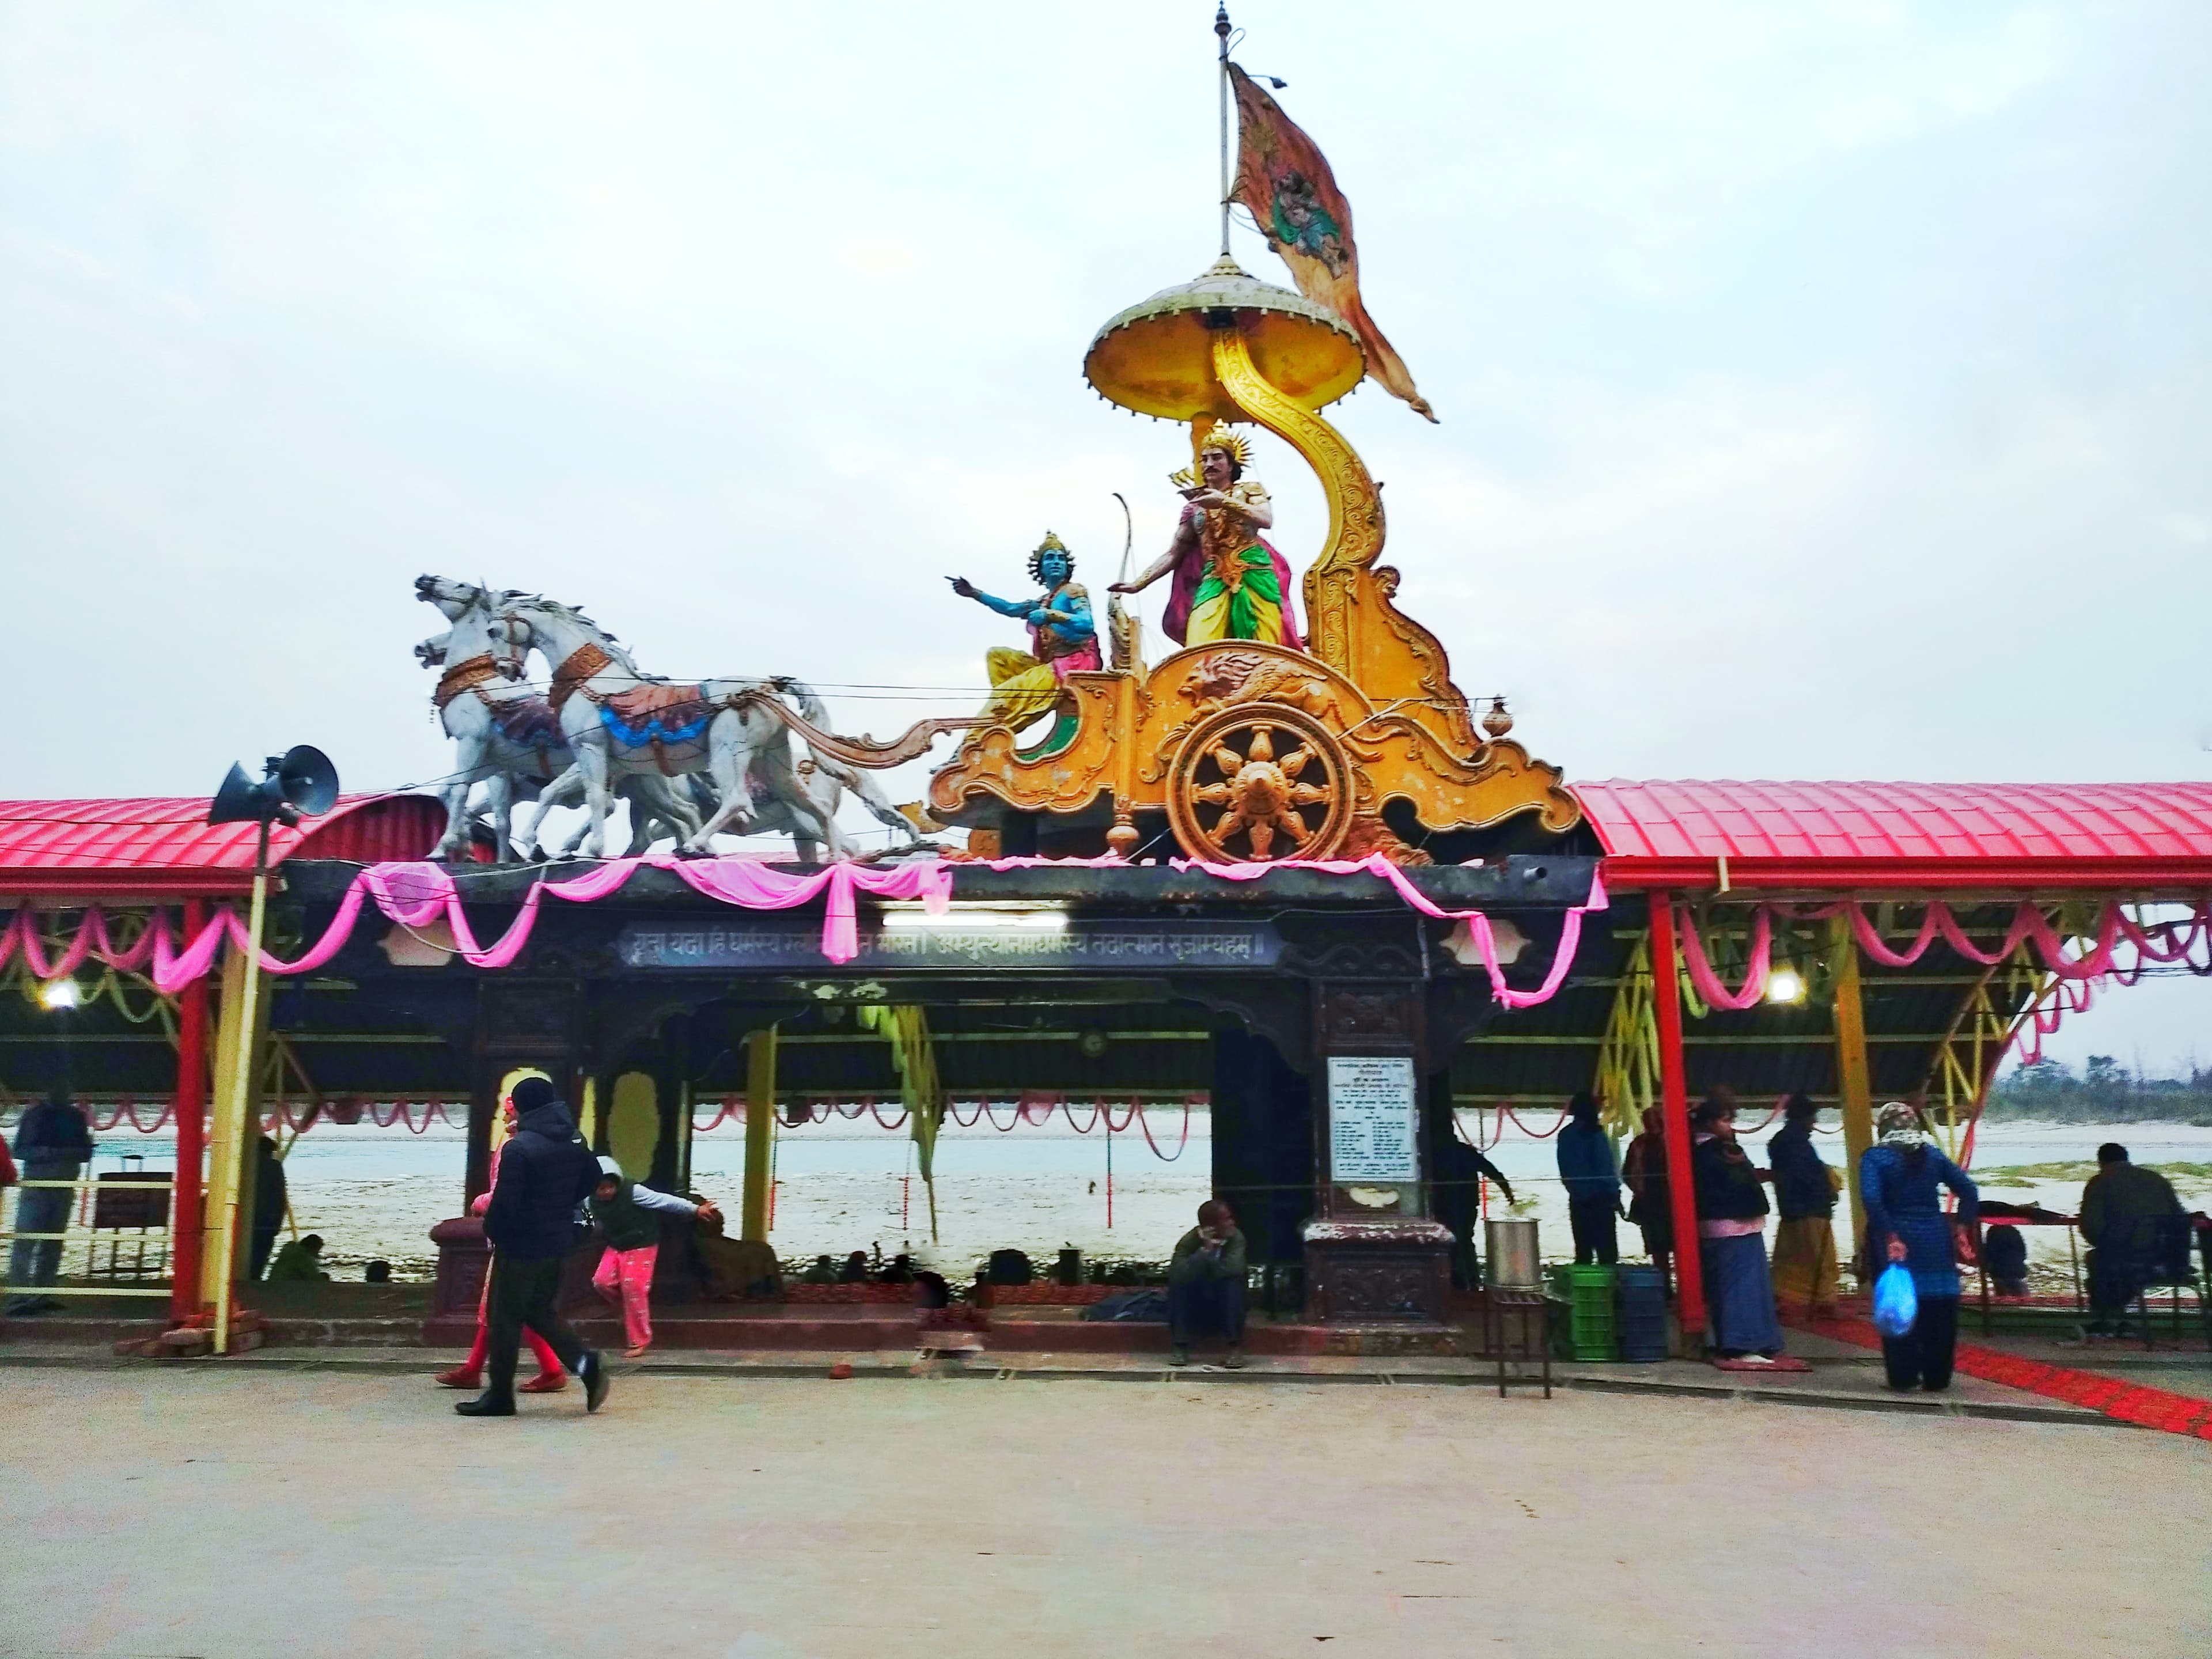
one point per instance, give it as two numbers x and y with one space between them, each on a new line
1157 357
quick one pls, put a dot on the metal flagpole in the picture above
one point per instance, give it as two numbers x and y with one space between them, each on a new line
1221 34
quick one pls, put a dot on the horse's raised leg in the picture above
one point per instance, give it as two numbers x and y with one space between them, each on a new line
600 796
502 790
564 791
729 756
808 820
453 846
873 797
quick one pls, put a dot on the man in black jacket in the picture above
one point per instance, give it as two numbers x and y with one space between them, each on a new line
545 1172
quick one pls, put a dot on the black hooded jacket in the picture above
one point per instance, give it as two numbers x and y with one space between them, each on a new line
544 1173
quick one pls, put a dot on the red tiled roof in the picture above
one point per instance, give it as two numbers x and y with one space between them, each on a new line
155 845
1938 830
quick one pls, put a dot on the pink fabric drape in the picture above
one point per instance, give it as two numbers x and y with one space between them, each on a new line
1478 924
417 895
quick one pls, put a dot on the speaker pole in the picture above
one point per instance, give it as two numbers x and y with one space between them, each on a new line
240 1083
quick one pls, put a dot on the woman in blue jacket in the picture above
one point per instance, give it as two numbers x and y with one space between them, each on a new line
1899 1178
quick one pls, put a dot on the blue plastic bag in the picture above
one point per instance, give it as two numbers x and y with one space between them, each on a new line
1896 1301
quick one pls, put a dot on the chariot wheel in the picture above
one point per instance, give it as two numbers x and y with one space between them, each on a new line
1259 781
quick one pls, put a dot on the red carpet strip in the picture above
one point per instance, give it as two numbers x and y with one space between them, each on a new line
2126 1403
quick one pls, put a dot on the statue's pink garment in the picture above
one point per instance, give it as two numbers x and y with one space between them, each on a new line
1082 659
1190 571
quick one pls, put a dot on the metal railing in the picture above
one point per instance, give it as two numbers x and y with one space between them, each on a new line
122 1223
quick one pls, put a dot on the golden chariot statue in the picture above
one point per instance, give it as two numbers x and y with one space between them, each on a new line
1242 745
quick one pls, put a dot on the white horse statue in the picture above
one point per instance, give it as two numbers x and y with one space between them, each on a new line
504 733
623 723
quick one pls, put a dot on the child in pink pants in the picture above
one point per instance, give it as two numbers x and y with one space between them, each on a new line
627 1217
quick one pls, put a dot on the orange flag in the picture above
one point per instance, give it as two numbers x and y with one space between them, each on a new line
1284 180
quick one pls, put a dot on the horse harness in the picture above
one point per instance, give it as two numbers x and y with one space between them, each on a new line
651 715
514 716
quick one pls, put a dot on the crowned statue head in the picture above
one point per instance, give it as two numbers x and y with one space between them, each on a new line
1223 455
1052 563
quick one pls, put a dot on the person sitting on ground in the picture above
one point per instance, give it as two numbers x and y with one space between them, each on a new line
823 1272
627 1216
1805 1268
855 1270
1593 1183
1206 1285
1905 1223
1732 1242
899 1270
2117 1206
378 1272
2004 1259
299 1261
736 1269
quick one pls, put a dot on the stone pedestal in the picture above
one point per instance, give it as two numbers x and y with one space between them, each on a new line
1393 1272
464 1259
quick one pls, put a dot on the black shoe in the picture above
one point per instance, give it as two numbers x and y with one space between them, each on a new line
486 1404
594 1371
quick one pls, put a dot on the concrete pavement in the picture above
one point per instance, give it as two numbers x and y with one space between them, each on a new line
221 1510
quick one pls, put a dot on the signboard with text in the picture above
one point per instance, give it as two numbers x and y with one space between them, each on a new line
1373 1120
1094 944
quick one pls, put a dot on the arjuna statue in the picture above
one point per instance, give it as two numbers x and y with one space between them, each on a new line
1229 584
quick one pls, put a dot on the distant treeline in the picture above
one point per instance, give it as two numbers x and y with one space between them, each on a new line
2103 1092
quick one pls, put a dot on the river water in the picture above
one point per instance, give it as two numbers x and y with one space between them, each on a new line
843 1186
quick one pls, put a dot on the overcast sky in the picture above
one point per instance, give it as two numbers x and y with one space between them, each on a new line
1825 389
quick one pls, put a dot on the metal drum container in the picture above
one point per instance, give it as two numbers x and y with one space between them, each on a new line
1510 1252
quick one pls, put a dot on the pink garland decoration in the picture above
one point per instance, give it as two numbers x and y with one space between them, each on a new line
1032 1108
2113 925
1708 986
415 894
1478 924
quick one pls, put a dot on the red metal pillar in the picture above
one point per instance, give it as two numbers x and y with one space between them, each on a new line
1675 1111
190 1121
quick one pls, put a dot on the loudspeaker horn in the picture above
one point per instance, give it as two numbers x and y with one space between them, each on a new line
308 780
301 781
241 800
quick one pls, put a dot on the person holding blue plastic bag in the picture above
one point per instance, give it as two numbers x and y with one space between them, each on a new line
1899 1178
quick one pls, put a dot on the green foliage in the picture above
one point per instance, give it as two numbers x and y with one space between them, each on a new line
2081 1169
2104 1091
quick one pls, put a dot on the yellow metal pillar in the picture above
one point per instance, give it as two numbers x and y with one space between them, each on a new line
227 1216
760 1130
1854 1083
634 1124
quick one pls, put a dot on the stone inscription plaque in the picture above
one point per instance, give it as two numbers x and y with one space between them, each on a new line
1372 1120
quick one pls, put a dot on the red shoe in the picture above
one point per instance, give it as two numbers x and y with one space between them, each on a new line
460 1377
545 1383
